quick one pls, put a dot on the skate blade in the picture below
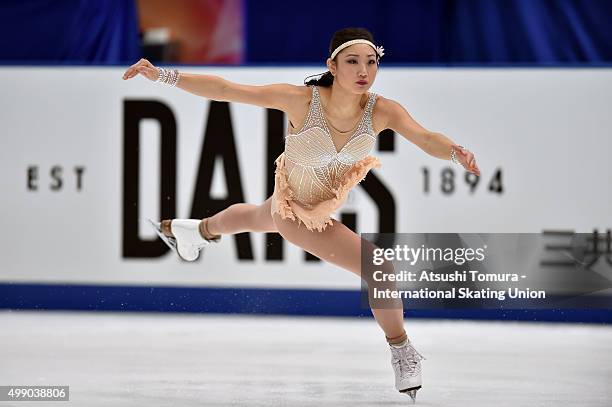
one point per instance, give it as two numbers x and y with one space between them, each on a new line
411 391
169 241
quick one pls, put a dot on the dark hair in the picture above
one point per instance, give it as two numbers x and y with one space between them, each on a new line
339 38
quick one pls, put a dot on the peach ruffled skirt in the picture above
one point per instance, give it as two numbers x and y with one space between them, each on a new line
315 217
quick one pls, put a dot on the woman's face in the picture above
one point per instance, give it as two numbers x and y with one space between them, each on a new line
355 68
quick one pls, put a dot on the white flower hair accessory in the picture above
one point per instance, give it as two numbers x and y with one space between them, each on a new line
379 50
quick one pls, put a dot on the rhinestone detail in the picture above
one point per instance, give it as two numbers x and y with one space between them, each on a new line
314 166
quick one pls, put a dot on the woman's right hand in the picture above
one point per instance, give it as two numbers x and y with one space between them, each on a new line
143 67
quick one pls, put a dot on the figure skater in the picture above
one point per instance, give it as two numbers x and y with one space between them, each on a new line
332 125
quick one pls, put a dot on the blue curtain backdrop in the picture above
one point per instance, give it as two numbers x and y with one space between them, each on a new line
277 32
437 31
69 31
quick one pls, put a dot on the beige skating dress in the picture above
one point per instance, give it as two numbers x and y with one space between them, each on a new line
312 180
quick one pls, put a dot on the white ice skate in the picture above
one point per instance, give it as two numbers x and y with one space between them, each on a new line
406 363
187 241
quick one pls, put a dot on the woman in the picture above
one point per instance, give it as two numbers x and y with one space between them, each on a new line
333 123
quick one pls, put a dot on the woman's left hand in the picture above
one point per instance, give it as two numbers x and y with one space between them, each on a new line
467 160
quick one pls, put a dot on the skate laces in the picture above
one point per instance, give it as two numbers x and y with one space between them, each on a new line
406 360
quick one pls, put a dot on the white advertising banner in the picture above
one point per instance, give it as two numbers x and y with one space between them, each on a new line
87 157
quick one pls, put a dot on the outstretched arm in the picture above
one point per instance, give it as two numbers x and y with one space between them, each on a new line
435 144
275 96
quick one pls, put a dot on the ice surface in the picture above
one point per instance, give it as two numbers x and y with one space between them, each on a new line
121 359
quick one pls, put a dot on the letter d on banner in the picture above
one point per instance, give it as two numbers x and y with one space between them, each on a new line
133 112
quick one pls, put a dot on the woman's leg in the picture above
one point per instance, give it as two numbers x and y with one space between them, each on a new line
242 217
339 245
236 218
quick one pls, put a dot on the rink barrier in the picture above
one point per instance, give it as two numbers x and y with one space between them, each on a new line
339 303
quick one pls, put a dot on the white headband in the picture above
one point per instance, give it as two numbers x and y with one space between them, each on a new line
379 50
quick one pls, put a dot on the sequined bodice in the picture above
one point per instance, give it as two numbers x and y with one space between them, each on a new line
314 166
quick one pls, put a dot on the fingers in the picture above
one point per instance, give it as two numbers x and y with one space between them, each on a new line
134 69
470 162
474 168
131 71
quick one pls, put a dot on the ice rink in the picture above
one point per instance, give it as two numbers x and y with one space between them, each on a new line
119 359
